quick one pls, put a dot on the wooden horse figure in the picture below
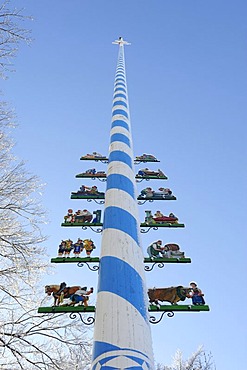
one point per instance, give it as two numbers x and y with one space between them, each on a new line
60 292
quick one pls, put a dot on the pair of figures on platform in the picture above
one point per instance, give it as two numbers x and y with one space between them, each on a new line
156 250
72 296
175 294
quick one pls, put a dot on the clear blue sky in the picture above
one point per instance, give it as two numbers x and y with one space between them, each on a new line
186 73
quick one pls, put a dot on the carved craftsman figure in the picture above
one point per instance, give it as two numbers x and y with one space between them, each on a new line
196 294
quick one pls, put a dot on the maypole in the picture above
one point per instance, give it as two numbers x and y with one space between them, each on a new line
122 336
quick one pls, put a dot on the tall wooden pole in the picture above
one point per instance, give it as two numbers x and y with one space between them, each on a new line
122 336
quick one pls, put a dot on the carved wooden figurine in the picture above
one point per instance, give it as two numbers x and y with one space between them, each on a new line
196 295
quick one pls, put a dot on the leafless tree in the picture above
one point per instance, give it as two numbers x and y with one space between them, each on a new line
27 340
11 35
199 360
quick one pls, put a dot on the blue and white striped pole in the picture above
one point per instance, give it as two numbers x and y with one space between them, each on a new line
122 336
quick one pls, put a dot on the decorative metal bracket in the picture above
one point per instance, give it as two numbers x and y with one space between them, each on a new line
90 320
98 231
154 320
93 268
144 201
141 179
96 201
143 231
150 268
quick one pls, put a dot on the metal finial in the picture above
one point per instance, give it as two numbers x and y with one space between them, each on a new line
121 42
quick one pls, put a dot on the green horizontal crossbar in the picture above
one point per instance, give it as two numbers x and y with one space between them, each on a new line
167 260
144 224
165 224
102 196
151 177
156 198
88 175
106 159
74 259
96 259
63 309
94 159
179 308
152 308
81 224
89 196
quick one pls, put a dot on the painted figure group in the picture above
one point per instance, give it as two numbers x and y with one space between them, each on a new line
162 193
159 218
171 250
148 172
146 157
69 296
176 294
82 216
67 246
88 190
77 295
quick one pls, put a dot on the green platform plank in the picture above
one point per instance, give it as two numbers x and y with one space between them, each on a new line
144 224
91 196
156 198
64 309
179 308
81 224
152 308
166 224
94 159
102 196
96 259
89 176
167 260
136 160
74 259
151 177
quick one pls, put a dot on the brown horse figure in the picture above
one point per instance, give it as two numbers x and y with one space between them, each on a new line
60 292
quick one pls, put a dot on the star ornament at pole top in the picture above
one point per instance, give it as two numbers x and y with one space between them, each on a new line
121 42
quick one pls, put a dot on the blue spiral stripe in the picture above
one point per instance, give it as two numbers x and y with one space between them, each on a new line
120 156
120 89
121 182
119 219
120 84
120 96
120 137
121 112
120 123
120 102
129 284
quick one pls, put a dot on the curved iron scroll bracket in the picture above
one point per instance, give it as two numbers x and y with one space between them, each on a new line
153 320
146 231
103 179
101 160
94 268
90 320
95 200
144 201
141 179
150 268
98 231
